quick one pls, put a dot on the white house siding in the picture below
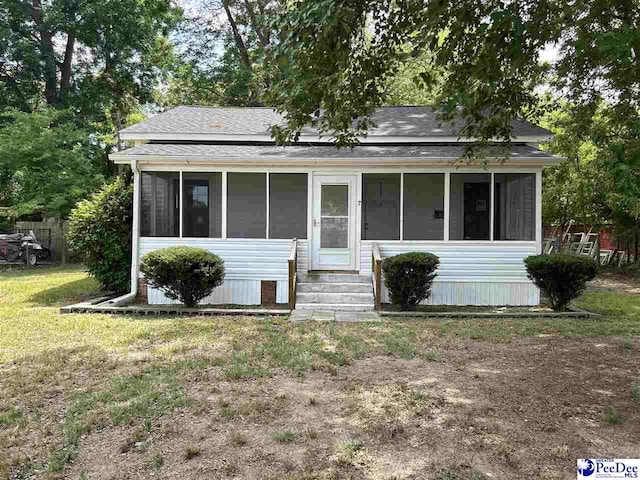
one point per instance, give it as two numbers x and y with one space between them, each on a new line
247 263
470 273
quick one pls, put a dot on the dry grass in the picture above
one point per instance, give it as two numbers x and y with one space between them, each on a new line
166 390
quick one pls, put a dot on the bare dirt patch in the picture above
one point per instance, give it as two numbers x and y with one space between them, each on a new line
524 409
618 282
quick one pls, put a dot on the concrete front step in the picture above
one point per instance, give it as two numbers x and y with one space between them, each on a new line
333 278
334 287
332 297
336 307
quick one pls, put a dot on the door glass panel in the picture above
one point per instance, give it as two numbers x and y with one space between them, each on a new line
334 216
335 200
334 232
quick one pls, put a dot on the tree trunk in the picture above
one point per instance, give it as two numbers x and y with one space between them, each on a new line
244 53
65 66
47 54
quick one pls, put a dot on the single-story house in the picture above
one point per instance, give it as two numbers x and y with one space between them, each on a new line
307 224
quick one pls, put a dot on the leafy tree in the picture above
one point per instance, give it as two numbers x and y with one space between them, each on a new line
577 188
339 57
47 162
223 44
100 230
88 54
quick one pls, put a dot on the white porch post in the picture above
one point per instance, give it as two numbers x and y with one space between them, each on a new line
180 205
447 195
401 206
267 222
492 192
539 212
135 227
224 204
309 218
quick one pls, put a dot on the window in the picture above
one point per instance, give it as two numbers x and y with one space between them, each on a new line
423 206
160 204
288 205
381 206
470 209
202 205
515 206
246 205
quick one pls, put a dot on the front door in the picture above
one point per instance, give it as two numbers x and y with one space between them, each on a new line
334 215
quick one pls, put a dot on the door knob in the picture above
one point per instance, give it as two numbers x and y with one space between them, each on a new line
315 222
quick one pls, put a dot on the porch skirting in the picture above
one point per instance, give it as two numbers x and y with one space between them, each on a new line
470 273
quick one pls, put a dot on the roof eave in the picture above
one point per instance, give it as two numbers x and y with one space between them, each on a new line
323 161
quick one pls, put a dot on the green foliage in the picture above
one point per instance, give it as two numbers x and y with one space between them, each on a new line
223 61
100 230
409 277
577 188
187 274
81 53
561 276
48 163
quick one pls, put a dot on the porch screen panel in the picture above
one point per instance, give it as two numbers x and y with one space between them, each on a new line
423 206
160 204
469 207
381 206
288 205
246 205
515 206
202 204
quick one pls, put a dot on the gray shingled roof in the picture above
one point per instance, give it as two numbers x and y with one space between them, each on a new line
391 121
434 151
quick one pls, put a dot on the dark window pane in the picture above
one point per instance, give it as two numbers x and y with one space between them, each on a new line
515 206
423 206
381 206
160 204
470 207
246 205
288 205
202 204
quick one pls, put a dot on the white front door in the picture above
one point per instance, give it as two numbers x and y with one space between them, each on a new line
334 222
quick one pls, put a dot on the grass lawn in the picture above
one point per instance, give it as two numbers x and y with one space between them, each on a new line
96 396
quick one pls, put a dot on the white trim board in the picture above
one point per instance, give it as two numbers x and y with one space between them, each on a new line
183 160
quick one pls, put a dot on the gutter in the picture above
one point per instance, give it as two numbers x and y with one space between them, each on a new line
135 245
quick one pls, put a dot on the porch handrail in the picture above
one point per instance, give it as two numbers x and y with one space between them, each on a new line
376 268
293 273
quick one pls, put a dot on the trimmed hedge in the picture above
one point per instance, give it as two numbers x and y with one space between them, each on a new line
187 274
100 231
561 276
409 277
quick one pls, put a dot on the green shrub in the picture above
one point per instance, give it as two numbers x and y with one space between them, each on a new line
561 276
409 277
187 274
100 231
